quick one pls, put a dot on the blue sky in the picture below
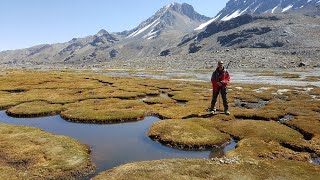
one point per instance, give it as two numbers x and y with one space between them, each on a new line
24 23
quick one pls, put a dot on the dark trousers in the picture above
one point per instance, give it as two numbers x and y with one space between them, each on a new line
223 93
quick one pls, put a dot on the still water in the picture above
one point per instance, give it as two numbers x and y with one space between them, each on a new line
114 144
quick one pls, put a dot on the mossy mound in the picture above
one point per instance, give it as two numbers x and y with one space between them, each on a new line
159 100
30 153
58 96
187 134
283 75
185 96
209 169
34 109
264 130
181 112
311 78
105 111
257 148
308 126
126 95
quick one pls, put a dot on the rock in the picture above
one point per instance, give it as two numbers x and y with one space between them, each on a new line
302 64
165 52
193 48
113 53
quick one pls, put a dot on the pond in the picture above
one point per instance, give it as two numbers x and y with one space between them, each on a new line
114 144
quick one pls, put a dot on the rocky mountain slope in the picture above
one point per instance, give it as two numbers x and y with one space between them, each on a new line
158 32
168 40
235 8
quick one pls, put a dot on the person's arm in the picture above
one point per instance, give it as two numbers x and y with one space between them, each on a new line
213 76
227 78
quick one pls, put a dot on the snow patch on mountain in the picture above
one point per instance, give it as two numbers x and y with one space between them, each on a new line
207 23
139 31
170 18
233 15
272 11
287 8
235 8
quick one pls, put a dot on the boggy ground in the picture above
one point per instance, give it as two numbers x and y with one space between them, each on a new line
213 169
269 143
30 153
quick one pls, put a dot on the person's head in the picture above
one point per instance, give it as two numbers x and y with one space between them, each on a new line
220 64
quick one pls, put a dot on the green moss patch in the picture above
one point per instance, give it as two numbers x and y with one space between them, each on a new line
187 134
30 153
34 109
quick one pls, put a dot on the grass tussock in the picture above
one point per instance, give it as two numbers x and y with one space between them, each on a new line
258 148
89 98
186 134
159 100
182 77
34 109
283 75
311 78
265 130
177 169
30 153
105 111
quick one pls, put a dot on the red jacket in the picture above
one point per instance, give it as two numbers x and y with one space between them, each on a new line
220 76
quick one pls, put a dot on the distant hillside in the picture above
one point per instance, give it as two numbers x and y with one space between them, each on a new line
235 8
158 32
285 36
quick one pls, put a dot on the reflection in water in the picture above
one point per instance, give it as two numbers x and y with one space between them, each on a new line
221 151
114 144
316 161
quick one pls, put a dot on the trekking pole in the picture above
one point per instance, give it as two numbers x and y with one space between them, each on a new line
228 64
219 100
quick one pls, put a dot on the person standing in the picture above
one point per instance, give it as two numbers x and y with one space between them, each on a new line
220 79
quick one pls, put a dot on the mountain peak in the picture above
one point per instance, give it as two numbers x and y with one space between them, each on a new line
174 16
102 32
183 9
172 5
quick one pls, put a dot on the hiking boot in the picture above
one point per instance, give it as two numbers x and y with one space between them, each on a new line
227 112
212 111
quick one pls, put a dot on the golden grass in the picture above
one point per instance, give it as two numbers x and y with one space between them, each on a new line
181 112
257 148
186 134
265 130
159 100
283 75
176 169
105 111
34 109
311 78
30 153
101 99
182 77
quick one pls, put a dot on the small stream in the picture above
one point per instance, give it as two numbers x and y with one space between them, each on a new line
114 144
